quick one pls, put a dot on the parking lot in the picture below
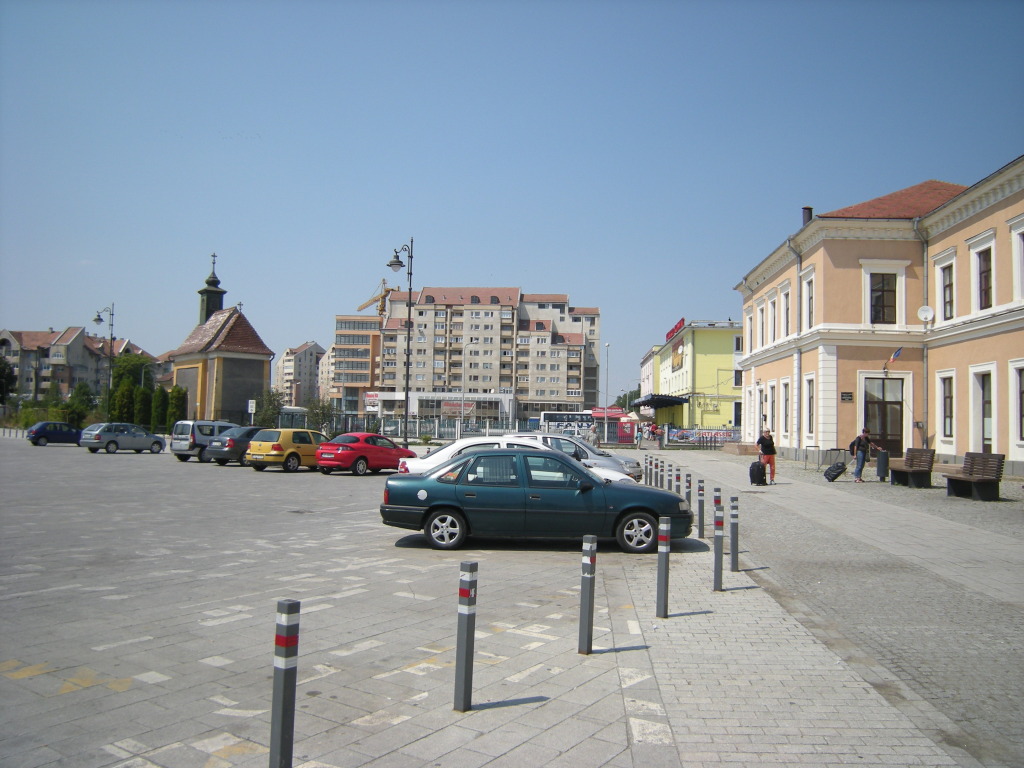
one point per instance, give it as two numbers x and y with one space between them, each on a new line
139 598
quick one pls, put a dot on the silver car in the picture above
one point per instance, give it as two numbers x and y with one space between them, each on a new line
115 436
585 452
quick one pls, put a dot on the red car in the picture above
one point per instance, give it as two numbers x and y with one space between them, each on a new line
360 452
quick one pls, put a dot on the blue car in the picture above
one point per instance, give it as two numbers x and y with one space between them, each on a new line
44 432
516 493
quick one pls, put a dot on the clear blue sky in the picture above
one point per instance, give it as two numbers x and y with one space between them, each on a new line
639 156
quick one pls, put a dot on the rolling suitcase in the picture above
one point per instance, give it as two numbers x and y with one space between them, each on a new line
835 471
757 474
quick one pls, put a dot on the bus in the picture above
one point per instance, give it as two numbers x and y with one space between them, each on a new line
566 422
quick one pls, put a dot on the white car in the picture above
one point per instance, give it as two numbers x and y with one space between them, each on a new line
423 464
585 453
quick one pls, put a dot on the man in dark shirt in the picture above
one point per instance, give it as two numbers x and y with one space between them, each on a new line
861 448
766 447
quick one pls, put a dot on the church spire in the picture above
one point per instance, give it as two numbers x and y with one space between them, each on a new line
211 298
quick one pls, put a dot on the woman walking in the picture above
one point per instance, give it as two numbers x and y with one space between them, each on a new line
766 447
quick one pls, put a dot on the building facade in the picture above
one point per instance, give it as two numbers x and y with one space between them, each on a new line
348 371
297 373
505 353
904 314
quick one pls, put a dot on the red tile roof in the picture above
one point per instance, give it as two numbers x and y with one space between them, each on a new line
909 203
456 296
227 330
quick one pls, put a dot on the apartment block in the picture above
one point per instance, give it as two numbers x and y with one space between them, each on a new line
348 371
297 373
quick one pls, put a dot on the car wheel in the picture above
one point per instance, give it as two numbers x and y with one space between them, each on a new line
203 458
291 462
182 456
41 441
360 467
259 467
155 447
637 532
326 470
110 447
445 529
94 450
243 461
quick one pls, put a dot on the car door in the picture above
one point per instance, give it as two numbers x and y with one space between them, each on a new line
492 496
557 505
384 453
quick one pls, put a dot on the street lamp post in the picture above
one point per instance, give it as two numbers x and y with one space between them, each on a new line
465 366
607 389
110 347
396 264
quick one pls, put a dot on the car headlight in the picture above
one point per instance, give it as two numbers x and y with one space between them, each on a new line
682 506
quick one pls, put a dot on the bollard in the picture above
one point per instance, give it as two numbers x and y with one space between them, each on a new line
286 672
647 470
662 466
586 644
719 542
465 638
689 486
700 508
664 548
734 534
679 482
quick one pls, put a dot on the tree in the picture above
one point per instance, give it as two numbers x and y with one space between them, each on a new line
143 406
79 405
626 398
320 413
268 407
177 404
158 419
135 368
8 380
122 405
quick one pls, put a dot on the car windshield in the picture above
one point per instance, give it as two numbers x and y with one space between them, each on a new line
345 439
267 436
234 432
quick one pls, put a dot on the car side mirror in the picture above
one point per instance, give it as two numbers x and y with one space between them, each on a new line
585 485
577 454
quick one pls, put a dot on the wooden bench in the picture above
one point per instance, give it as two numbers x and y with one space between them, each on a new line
979 477
914 470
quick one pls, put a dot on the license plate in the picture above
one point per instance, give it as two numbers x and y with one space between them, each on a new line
257 456
327 455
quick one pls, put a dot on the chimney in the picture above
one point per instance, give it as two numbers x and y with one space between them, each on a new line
808 214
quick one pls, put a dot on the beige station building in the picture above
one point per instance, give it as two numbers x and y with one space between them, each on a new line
904 314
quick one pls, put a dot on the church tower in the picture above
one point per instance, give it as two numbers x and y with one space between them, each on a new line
211 298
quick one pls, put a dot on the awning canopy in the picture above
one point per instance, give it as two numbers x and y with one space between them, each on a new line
659 401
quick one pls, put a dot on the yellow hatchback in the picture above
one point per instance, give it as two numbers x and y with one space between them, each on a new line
287 448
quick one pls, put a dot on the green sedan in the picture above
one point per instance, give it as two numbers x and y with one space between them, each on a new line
514 493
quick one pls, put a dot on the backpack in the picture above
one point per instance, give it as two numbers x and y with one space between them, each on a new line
853 447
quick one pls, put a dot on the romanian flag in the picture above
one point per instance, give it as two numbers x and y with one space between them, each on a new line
895 355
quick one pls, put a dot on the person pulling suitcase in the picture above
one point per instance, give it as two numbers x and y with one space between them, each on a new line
766 449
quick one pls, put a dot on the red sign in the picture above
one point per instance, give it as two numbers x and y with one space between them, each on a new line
676 328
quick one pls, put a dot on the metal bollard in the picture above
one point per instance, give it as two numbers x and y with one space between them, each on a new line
286 672
679 482
664 549
689 486
465 638
700 508
586 644
647 470
719 542
734 534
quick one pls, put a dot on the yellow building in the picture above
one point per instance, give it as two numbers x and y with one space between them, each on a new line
694 381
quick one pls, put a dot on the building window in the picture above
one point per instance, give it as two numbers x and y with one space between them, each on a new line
737 378
785 408
883 298
737 344
985 278
810 406
1020 403
772 320
760 326
771 407
946 274
785 314
809 294
946 383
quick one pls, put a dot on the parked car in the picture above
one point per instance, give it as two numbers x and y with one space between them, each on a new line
422 464
191 437
360 452
230 445
115 436
587 453
44 432
535 493
287 448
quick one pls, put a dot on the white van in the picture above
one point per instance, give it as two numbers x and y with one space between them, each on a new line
190 438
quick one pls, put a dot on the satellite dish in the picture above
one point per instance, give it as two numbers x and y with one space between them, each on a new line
926 314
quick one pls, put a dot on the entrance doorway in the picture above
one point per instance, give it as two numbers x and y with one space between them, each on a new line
883 413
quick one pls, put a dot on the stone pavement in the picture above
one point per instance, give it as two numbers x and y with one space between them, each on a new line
138 597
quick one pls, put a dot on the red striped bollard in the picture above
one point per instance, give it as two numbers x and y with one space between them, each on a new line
679 481
465 638
700 508
719 540
664 548
286 671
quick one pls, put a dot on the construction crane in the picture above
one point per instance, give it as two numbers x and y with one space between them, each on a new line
380 296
